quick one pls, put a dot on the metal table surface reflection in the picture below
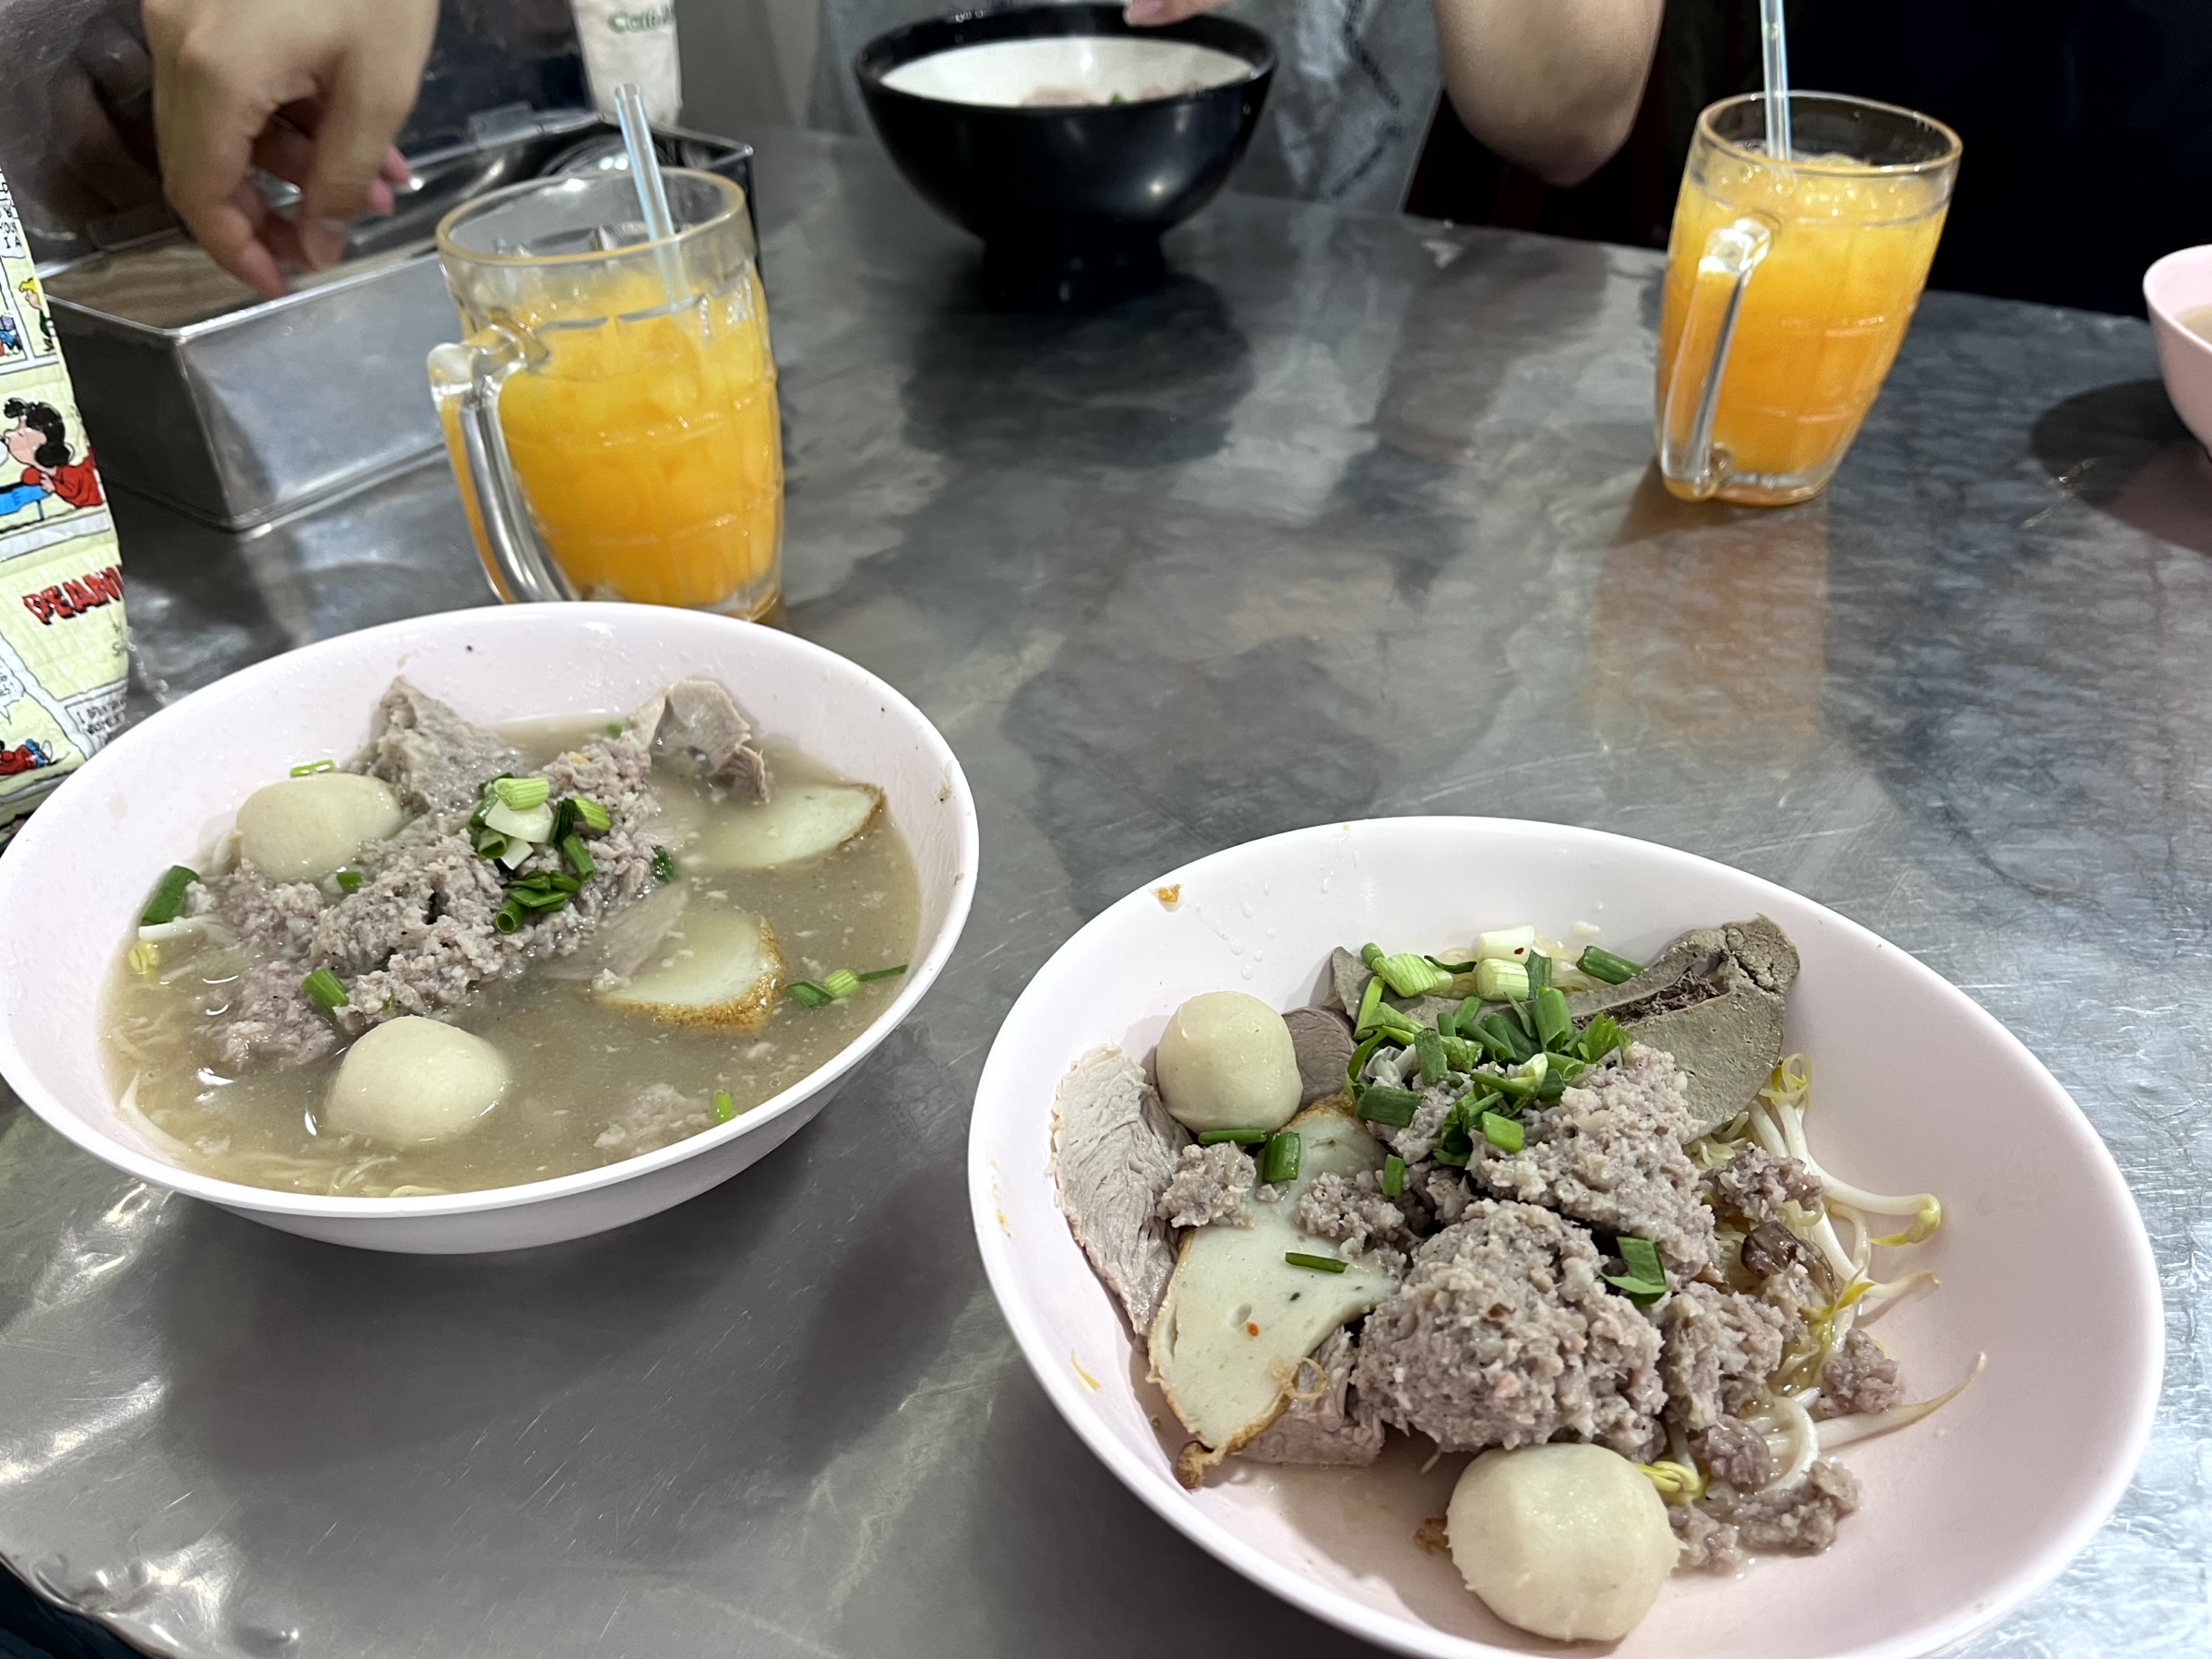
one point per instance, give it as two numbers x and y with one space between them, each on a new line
1356 516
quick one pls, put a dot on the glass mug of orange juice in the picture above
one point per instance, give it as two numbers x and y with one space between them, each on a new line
1789 285
611 414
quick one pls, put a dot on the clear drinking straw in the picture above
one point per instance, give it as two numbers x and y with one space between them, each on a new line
653 190
1774 55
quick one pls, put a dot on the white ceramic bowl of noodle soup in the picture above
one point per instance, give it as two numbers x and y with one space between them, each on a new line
159 793
2044 1262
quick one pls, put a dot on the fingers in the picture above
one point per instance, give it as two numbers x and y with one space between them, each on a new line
206 136
286 150
246 238
1151 14
366 97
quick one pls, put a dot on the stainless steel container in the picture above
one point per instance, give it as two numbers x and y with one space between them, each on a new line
238 410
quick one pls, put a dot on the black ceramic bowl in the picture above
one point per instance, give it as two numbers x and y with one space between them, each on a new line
1070 197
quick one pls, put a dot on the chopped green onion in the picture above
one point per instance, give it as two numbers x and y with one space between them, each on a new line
1394 1175
614 728
1540 972
1646 1281
1501 1132
1500 981
724 1107
807 994
536 897
1555 1025
1320 1264
307 768
1430 1048
1279 1159
875 974
324 991
1461 1054
1358 1063
840 983
166 902
1600 963
1232 1136
532 824
348 881
597 818
664 865
520 794
489 842
1506 945
1504 1040
1447 1023
1405 974
1600 1037
1454 969
508 917
572 849
1394 1107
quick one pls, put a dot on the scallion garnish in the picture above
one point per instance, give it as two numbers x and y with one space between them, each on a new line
724 1107
1600 1037
596 819
1497 980
1505 1040
1539 972
841 982
1320 1264
348 881
522 795
307 768
1394 1175
1600 963
807 994
1279 1158
1506 945
614 728
1232 1136
874 974
1501 1132
1430 1047
1405 974
572 849
323 989
508 917
664 865
166 902
1394 1107
1555 1025
1646 1281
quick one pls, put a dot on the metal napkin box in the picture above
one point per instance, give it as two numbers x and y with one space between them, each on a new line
238 410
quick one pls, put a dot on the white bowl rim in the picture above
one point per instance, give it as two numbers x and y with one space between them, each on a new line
1408 1636
45 824
2200 254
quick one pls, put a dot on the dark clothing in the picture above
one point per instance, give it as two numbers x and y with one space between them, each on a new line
2088 127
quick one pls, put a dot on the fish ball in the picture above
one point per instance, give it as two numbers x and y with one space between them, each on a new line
1225 1062
413 1082
304 828
1566 1541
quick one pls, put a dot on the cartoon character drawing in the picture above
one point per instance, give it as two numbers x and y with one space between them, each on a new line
39 442
11 337
25 756
35 297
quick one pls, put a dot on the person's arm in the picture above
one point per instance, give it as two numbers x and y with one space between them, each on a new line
311 90
1552 84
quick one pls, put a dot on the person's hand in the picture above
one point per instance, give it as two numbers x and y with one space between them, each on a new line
311 90
1151 14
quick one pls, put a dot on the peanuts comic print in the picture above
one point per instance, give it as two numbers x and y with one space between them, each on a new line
62 660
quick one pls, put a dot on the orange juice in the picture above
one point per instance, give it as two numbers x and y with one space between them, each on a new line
649 447
1823 313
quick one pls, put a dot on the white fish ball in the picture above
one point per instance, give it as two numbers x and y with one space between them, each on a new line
1566 1541
1225 1062
303 828
413 1082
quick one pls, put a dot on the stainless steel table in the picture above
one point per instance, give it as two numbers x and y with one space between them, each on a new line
1355 517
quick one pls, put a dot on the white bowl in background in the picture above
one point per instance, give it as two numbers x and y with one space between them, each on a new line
162 792
2183 281
2044 1262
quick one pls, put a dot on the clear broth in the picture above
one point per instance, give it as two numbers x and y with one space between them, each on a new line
577 1060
